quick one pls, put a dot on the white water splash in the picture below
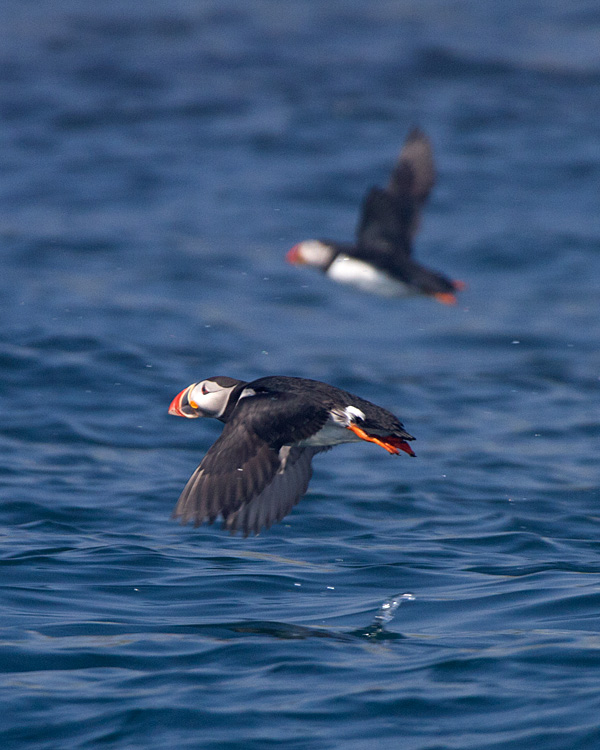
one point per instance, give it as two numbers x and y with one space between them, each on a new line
388 609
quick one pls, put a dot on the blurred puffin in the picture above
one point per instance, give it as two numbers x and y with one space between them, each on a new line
260 466
381 259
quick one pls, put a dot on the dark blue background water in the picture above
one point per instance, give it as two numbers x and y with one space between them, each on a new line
158 159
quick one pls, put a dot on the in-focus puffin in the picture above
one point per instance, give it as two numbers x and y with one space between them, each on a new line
260 466
381 259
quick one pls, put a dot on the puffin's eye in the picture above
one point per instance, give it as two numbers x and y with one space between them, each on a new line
204 389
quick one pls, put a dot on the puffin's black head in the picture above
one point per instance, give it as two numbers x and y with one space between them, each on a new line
208 398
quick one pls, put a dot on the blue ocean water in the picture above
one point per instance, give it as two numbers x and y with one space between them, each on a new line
158 160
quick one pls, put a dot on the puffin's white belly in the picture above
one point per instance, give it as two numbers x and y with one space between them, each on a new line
332 433
347 270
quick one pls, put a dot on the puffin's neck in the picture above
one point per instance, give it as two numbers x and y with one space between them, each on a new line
232 402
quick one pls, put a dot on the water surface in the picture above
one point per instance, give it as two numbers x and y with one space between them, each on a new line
158 162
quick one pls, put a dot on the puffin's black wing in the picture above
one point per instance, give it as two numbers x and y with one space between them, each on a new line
278 498
414 173
251 453
383 229
390 216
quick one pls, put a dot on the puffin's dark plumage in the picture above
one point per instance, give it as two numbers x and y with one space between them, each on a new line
381 259
260 466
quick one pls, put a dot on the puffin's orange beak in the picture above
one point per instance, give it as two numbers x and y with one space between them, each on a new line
181 406
293 256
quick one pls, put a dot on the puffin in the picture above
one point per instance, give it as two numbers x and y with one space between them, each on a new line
260 466
381 260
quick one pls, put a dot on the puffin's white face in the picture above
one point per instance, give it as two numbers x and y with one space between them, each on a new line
205 399
311 253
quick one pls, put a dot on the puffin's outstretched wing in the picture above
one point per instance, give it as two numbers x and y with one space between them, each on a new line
414 173
250 465
278 498
383 231
390 216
